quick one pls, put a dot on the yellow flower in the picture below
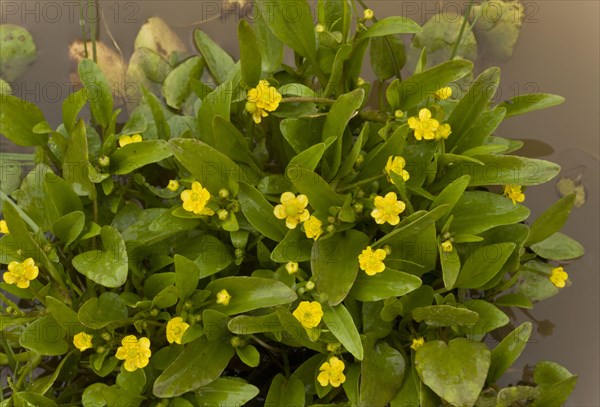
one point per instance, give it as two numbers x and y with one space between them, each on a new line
4 227
175 329
559 277
21 273
173 185
309 314
515 193
443 131
292 209
223 297
291 267
424 126
136 353
312 228
124 140
387 209
372 261
443 93
417 343
262 99
82 341
320 28
396 164
332 372
368 14
447 246
195 200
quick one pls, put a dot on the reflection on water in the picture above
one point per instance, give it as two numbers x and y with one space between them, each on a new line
558 52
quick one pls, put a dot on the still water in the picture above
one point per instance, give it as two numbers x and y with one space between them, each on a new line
558 52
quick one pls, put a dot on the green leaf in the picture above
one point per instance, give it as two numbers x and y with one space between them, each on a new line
68 228
376 160
96 313
98 91
134 156
208 253
409 93
230 141
558 247
551 221
187 275
387 56
249 355
334 263
450 263
471 143
340 324
534 281
163 131
529 103
259 213
271 49
226 391
483 265
108 267
382 374
445 315
309 158
451 195
216 103
390 283
294 247
44 336
455 371
390 26
76 161
508 351
285 392
183 374
30 399
555 384
219 63
250 293
247 325
514 300
250 55
17 120
176 88
133 382
321 195
509 395
64 316
478 211
490 318
212 169
335 126
472 104
296 32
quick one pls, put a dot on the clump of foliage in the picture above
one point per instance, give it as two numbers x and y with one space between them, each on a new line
283 244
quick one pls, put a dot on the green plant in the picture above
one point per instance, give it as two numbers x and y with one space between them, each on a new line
284 244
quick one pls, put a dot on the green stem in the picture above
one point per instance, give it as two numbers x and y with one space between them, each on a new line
11 304
94 26
462 30
53 158
373 116
308 99
82 24
359 183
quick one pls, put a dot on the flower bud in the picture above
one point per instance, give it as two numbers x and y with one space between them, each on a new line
310 285
320 28
369 14
222 214
223 193
104 161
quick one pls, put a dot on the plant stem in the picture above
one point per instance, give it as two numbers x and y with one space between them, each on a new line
94 27
308 99
82 25
462 29
359 183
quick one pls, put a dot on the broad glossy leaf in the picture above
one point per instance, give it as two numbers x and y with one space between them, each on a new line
490 318
321 195
259 213
555 384
98 91
98 312
272 48
68 228
334 263
187 276
508 351
163 131
483 265
249 355
376 160
183 374
76 161
451 195
248 325
250 293
390 283
387 56
478 211
534 281
382 374
339 322
134 156
509 395
294 247
219 63
391 25
455 371
17 120
529 103
445 315
473 139
44 336
558 247
551 221
450 263
216 103
176 88
285 392
106 267
250 55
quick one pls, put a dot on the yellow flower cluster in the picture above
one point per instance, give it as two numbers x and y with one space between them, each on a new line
124 140
443 93
4 227
82 341
21 273
388 209
173 185
223 297
417 343
291 267
371 261
447 246
175 330
195 200
515 193
332 372
313 228
396 164
261 100
559 277
309 314
427 128
136 353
